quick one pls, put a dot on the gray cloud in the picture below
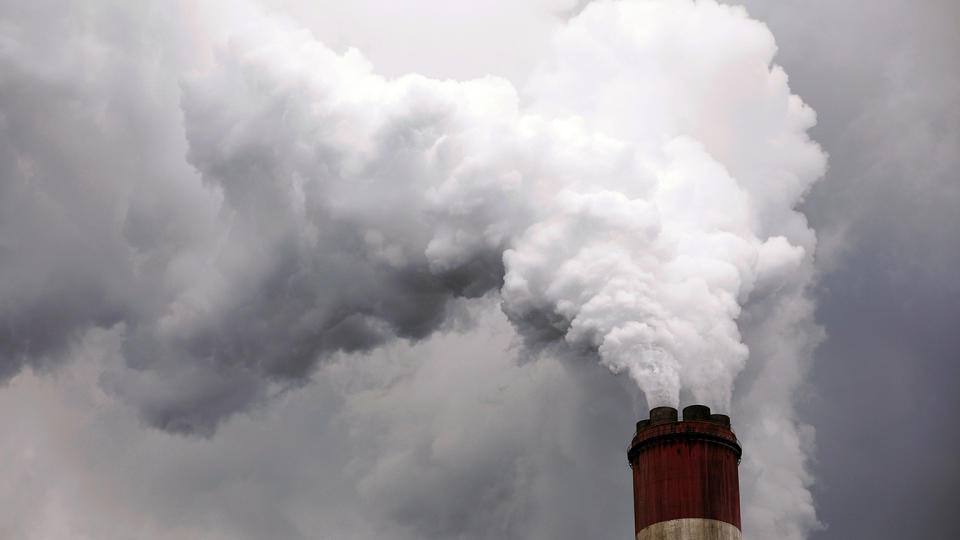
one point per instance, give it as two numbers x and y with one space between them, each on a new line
343 210
309 209
72 167
105 224
408 442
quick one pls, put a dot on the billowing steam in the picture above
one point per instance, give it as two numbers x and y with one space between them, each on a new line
644 195
231 202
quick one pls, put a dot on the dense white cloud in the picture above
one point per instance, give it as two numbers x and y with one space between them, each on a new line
230 201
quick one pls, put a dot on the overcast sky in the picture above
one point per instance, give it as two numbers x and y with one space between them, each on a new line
258 281
879 76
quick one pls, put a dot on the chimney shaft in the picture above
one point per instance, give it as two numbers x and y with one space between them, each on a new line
685 482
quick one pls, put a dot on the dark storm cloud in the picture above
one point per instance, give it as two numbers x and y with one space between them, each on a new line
883 79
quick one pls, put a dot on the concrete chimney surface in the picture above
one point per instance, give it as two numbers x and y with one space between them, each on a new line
690 529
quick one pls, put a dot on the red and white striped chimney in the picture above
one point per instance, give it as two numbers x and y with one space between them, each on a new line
685 482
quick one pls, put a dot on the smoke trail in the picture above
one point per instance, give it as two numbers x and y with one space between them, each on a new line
651 268
645 196
369 203
240 202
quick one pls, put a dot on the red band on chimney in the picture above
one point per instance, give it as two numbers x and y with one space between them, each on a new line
685 470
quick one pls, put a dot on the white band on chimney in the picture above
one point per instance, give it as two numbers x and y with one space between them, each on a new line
690 529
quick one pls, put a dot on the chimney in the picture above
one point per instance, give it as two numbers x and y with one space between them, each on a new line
685 483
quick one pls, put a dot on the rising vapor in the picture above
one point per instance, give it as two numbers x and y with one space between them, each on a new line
244 212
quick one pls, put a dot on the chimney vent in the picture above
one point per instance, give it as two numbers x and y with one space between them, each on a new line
685 483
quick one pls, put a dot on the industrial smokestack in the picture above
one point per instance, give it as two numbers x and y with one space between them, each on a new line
685 483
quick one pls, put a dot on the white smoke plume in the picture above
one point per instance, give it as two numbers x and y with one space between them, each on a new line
637 204
637 232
